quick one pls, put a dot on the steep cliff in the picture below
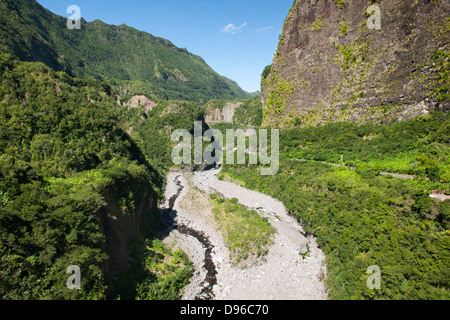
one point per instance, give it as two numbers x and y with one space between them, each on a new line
339 61
130 216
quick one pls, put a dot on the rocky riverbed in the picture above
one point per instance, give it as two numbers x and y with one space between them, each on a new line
293 269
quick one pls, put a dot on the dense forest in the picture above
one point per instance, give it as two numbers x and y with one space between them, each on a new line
361 218
78 161
64 147
65 141
74 157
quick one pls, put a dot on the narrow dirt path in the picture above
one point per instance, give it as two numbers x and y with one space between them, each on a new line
292 270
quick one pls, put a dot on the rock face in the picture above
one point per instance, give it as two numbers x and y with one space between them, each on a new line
334 64
141 100
123 226
225 114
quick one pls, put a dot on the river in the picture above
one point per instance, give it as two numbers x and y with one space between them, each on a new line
293 269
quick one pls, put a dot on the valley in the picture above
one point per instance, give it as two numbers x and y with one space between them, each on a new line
359 156
219 278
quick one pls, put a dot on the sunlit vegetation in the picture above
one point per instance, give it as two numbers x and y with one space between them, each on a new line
63 147
250 113
360 218
132 61
167 272
248 235
418 147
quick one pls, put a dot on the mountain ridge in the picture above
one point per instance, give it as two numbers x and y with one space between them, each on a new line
148 64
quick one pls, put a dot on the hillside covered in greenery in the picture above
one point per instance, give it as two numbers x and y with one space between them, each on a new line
134 62
68 170
83 165
360 218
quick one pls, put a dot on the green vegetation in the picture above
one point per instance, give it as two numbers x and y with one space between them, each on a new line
167 273
280 92
134 62
250 113
65 161
442 66
152 130
70 157
247 234
266 71
59 151
340 3
360 218
343 29
317 24
417 147
155 272
216 104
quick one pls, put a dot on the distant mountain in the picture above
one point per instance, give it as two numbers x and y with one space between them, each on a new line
135 61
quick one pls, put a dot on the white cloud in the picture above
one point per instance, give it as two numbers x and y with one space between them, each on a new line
231 28
264 29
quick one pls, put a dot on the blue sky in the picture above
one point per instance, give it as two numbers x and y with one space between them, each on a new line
237 38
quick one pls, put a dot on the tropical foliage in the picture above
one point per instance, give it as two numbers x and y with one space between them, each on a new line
360 218
247 234
63 148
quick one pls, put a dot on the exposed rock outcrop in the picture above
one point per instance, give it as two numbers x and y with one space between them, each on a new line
225 114
333 64
141 101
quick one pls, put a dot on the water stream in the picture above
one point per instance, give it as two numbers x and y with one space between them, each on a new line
210 281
